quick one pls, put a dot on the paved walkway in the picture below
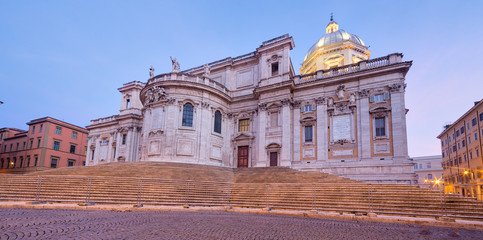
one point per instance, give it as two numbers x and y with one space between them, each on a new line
22 223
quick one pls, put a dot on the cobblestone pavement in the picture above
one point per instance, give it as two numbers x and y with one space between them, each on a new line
99 224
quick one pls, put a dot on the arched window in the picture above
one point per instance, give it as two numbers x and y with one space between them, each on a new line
217 127
187 115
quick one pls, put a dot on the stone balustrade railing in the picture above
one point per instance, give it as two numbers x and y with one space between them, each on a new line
360 66
188 78
103 120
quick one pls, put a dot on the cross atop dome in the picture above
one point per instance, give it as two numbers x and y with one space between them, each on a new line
332 26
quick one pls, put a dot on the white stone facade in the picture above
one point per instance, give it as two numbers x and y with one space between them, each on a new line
325 120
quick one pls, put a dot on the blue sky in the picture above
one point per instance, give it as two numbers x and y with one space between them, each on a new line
66 59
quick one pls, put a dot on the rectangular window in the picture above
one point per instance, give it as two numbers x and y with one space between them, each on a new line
21 162
308 134
74 135
442 143
463 142
460 160
471 155
469 140
72 148
33 129
428 165
38 143
11 146
477 152
481 116
380 127
308 108
464 156
244 125
36 160
462 130
16 149
92 155
379 98
56 145
473 122
430 176
457 133
58 130
275 69
416 166
476 136
24 143
41 127
28 161
71 163
31 143
124 136
53 163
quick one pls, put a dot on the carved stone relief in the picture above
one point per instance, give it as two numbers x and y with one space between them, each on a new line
155 94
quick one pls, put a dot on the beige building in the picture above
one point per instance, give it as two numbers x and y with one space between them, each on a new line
429 171
344 115
461 146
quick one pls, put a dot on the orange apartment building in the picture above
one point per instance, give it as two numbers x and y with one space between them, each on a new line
462 162
48 143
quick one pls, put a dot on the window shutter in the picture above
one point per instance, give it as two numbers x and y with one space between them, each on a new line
371 98
386 96
313 106
302 109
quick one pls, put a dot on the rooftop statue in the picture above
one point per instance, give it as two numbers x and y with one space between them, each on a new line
175 64
207 70
151 71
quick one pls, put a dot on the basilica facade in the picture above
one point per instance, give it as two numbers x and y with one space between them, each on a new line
345 114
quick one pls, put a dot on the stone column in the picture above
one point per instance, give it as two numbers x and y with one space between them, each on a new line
97 151
118 137
109 149
285 154
204 132
322 145
261 155
364 126
398 126
296 131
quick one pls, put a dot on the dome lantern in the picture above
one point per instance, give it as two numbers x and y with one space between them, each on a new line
335 48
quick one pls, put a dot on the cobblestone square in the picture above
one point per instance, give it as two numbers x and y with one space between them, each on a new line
100 224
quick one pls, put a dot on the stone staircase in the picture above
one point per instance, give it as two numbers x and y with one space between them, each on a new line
195 185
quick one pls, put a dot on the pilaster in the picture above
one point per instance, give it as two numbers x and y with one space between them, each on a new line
322 146
296 131
285 158
398 125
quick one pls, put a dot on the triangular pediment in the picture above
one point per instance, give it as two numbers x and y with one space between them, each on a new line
243 136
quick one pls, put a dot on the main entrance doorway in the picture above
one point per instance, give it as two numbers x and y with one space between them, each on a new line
273 159
243 156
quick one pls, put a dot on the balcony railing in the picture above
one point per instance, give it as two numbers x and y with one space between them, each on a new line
351 68
188 78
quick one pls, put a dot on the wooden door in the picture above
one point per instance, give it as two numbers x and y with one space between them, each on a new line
273 159
243 156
